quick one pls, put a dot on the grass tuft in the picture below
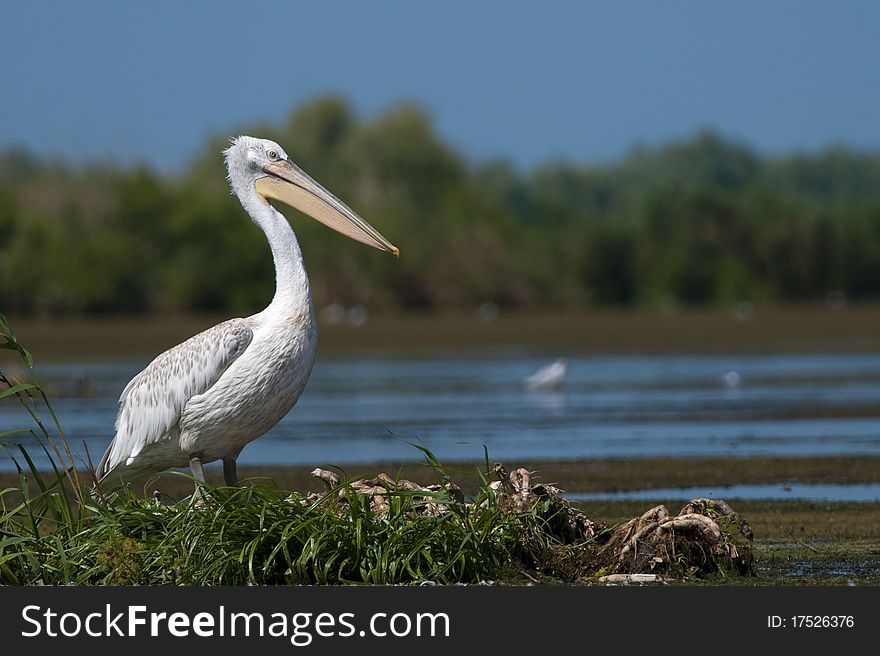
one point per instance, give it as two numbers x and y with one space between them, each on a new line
260 535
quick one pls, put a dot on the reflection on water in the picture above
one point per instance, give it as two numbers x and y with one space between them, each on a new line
362 410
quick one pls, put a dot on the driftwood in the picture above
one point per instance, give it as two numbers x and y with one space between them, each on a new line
707 536
378 489
515 492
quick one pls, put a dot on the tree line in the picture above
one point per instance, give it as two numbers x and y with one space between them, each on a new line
705 220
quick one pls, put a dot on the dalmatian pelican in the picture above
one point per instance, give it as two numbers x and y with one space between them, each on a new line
205 399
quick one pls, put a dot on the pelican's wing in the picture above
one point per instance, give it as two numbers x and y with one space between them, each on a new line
151 404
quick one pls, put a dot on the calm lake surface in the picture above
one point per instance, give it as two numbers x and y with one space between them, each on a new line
359 410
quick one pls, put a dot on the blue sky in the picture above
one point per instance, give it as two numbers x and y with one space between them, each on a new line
527 81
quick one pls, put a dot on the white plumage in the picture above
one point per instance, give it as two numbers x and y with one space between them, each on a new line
547 377
205 399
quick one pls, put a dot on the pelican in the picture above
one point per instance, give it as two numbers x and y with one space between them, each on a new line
205 399
548 377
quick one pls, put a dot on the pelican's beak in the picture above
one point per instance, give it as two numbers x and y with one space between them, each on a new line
291 185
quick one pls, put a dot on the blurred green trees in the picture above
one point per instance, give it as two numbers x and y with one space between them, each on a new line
698 222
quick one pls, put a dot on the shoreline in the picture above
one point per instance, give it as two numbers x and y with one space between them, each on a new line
772 329
575 476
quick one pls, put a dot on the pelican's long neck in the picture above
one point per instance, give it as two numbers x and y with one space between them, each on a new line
292 292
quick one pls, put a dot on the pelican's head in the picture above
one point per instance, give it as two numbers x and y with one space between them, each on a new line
264 165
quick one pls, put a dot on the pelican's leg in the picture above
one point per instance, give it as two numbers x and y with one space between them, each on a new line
230 471
195 464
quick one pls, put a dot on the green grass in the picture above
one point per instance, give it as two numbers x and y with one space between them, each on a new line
260 535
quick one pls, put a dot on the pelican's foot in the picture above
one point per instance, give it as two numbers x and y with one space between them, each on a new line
199 498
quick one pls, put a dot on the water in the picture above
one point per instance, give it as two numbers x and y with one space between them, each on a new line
773 491
367 409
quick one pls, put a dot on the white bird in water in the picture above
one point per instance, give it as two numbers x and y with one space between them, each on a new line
205 399
548 377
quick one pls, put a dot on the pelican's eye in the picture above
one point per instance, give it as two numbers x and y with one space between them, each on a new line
272 154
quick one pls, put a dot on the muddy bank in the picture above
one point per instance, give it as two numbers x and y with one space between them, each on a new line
600 475
607 475
792 329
